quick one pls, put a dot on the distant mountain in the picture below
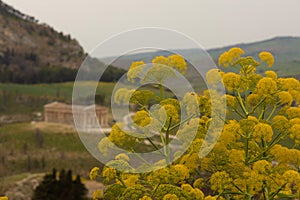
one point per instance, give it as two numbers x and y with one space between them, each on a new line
27 47
285 49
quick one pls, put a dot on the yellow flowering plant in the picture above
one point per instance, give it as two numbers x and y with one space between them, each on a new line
256 157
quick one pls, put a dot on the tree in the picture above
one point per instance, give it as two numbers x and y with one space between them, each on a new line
62 188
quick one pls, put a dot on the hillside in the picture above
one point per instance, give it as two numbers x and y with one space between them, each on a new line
285 49
27 46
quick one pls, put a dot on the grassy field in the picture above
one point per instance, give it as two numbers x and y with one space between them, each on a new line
40 147
26 99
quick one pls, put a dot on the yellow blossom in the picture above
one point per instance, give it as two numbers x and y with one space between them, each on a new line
285 98
177 62
198 183
266 86
294 121
262 167
220 181
94 173
267 57
170 197
289 84
179 173
295 133
234 54
210 197
142 118
131 180
223 59
135 70
97 195
292 178
171 113
145 198
231 81
253 99
213 76
230 100
109 174
263 131
271 74
293 112
122 156
280 123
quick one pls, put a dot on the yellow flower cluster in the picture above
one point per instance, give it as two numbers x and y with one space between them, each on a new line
97 195
170 197
220 181
266 86
262 131
231 81
109 174
267 57
94 173
135 70
230 57
213 76
256 156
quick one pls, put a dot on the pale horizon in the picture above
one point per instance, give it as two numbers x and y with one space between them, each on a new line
233 22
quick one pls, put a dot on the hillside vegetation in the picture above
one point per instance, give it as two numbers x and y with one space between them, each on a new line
31 52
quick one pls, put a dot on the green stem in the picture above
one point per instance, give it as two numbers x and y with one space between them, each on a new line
271 114
178 124
154 145
166 147
262 114
277 191
121 180
237 187
162 94
266 192
247 150
273 142
162 138
253 109
140 157
154 191
240 101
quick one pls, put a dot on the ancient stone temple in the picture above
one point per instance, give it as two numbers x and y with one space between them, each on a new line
87 117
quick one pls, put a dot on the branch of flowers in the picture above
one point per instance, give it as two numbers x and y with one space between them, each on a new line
119 177
155 189
262 114
162 138
240 102
161 89
182 122
247 151
154 145
255 107
140 157
272 143
273 194
272 112
237 112
237 187
166 147
265 191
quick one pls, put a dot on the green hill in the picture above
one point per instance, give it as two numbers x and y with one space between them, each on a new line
285 49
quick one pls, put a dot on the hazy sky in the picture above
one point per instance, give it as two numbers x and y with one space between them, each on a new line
213 23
